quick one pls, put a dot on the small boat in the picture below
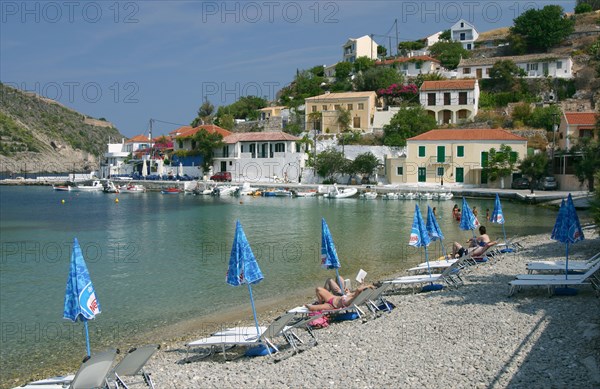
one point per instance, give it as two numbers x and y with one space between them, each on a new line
337 193
368 195
425 196
390 196
446 196
95 187
246 190
277 193
62 188
409 196
171 191
110 187
310 193
130 188
224 190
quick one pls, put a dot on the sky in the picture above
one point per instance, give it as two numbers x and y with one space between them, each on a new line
132 61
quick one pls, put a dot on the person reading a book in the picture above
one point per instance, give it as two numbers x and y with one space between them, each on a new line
327 301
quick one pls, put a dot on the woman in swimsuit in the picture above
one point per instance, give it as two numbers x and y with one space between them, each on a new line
477 245
328 301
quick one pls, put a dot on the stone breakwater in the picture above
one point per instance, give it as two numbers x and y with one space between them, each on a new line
473 336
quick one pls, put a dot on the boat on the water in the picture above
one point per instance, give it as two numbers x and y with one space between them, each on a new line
171 190
368 195
277 193
96 186
131 188
310 193
337 193
110 187
62 188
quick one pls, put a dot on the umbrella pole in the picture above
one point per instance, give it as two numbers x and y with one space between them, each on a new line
444 250
567 263
504 232
87 337
253 310
427 260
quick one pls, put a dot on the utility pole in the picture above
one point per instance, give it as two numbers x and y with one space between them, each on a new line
554 129
396 23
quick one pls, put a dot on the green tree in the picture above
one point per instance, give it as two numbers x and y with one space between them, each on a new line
517 44
343 120
505 74
449 53
306 84
582 8
446 35
405 47
247 107
362 64
501 163
365 163
381 51
318 71
408 122
544 117
205 113
535 167
589 163
205 144
377 78
225 121
330 162
342 71
594 3
543 28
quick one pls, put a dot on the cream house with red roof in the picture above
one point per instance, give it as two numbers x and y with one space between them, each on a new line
183 136
574 126
451 156
258 156
412 66
450 101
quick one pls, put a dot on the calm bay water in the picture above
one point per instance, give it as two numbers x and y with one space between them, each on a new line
156 260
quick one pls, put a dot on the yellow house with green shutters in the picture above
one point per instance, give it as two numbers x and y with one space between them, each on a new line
451 156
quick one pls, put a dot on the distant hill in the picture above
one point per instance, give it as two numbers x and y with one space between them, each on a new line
41 135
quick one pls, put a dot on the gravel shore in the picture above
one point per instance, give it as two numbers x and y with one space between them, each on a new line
473 336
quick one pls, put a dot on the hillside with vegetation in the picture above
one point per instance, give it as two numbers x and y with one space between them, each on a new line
41 135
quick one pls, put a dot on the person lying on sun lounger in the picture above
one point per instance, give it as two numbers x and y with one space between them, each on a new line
328 301
477 246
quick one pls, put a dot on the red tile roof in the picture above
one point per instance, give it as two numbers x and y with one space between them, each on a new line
407 59
448 85
585 118
467 134
186 131
138 139
259 137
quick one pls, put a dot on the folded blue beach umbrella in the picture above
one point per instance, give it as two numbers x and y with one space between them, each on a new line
567 228
419 237
243 268
434 230
468 221
80 297
498 218
329 257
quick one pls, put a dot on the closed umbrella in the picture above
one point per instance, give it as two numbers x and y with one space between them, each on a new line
329 257
243 268
160 170
419 236
144 169
80 297
180 171
468 221
434 230
498 217
567 228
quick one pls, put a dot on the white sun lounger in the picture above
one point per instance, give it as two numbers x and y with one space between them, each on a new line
234 337
93 373
449 276
552 281
557 266
133 365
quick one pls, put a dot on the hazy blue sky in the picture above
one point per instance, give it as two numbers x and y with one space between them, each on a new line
130 61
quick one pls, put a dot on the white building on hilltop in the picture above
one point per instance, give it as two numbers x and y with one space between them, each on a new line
465 33
364 46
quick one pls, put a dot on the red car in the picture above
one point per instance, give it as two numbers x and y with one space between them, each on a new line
221 176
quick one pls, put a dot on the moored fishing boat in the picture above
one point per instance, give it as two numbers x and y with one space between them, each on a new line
131 188
171 190
95 187
337 193
63 188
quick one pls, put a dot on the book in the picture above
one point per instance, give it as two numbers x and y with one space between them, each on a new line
360 277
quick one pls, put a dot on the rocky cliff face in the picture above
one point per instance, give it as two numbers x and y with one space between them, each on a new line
41 135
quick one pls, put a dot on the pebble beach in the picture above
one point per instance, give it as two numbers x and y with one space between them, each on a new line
474 336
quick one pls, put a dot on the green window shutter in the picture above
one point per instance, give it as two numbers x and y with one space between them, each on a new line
441 154
460 151
399 170
421 151
513 156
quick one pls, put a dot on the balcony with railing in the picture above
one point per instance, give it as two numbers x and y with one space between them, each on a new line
438 160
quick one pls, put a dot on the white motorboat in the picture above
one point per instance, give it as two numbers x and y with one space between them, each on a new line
95 187
306 194
368 195
130 188
247 190
228 190
446 196
62 188
390 196
337 193
409 196
110 187
425 196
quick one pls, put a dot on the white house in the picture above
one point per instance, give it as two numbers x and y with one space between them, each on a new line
465 33
354 48
450 101
534 66
258 156
412 66
117 153
432 39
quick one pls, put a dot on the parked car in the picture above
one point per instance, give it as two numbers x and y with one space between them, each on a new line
547 183
520 183
221 176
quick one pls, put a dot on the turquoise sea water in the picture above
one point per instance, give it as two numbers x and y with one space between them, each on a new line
156 260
